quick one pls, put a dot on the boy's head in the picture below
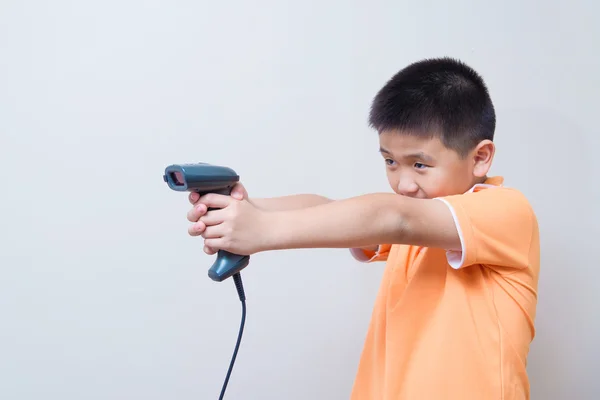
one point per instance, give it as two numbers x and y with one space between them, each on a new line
436 125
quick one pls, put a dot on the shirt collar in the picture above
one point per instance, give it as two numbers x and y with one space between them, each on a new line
493 181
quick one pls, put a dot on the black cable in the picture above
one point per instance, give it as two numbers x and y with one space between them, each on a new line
237 279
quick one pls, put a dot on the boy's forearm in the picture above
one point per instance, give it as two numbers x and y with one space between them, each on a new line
292 202
295 202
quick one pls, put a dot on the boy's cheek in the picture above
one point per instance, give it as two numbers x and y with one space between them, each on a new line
393 184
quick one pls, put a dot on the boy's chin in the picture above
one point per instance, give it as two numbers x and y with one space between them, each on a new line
417 196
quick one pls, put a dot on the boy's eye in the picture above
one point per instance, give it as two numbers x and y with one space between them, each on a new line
420 166
389 161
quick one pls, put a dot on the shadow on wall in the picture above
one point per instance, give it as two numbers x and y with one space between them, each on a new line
548 157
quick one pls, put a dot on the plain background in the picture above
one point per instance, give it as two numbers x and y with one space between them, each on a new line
103 295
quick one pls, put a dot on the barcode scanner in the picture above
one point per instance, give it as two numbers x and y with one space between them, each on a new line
204 178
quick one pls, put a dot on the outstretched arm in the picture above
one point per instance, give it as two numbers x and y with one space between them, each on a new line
272 204
363 221
366 221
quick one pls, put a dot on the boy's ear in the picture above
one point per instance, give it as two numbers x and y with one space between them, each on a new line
482 156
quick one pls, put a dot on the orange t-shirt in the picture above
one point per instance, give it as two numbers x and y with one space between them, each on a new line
457 325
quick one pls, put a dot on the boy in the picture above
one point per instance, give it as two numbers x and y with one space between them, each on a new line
454 315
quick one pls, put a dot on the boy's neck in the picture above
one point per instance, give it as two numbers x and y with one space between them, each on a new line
481 180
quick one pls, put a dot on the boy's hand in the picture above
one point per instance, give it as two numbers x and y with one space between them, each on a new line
238 192
235 225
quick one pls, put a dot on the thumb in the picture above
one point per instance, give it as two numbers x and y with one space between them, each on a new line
193 197
238 192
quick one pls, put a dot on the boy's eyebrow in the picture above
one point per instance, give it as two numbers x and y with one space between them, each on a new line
421 156
418 155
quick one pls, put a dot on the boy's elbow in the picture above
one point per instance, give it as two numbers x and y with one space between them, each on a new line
393 221
422 222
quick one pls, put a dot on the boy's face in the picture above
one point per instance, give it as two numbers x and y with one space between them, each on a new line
425 168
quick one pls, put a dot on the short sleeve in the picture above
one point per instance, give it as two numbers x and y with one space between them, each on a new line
496 227
368 256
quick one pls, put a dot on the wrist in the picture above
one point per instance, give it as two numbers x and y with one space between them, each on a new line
254 204
276 229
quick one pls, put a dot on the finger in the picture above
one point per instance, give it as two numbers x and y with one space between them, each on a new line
238 191
193 197
209 250
213 217
213 200
214 244
195 213
212 232
196 229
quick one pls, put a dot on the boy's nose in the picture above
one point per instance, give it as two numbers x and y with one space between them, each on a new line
407 188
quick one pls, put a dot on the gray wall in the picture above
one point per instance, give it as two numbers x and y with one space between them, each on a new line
102 293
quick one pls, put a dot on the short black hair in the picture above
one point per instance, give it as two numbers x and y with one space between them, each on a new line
440 97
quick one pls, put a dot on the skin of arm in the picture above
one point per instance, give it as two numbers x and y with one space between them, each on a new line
292 202
295 202
364 221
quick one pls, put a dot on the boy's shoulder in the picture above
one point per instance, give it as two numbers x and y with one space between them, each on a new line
497 226
493 198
